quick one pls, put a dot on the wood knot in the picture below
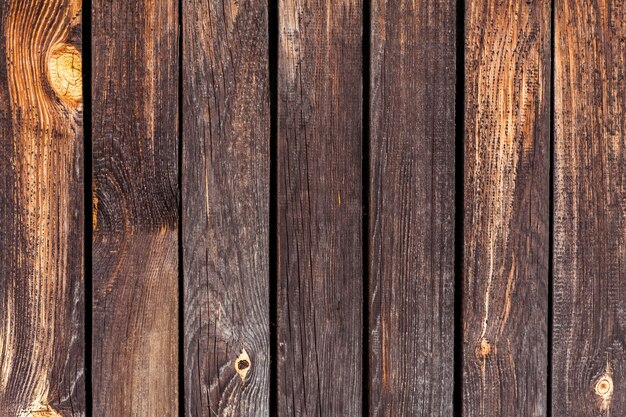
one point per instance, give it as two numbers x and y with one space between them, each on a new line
242 365
485 348
604 387
65 74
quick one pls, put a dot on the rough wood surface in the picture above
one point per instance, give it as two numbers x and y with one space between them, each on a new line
41 209
226 207
412 166
505 269
135 189
589 349
320 277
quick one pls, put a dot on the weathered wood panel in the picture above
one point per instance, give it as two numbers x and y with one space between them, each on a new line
412 183
320 277
41 209
135 189
226 199
589 349
505 269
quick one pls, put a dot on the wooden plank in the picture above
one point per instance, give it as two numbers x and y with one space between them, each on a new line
412 182
589 348
135 189
226 176
319 156
505 268
41 209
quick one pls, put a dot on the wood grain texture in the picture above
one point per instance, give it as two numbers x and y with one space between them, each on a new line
226 177
412 166
505 269
41 209
135 189
589 349
320 277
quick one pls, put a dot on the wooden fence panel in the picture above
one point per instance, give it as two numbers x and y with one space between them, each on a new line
135 203
506 217
319 156
589 348
41 209
225 173
412 192
358 208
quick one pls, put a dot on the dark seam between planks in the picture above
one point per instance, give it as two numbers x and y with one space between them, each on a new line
551 218
365 179
181 275
457 396
272 22
88 200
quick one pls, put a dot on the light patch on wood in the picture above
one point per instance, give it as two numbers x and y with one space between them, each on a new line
7 343
385 353
75 11
94 214
39 410
64 72
242 365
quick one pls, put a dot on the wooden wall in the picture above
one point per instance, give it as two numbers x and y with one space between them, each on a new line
312 208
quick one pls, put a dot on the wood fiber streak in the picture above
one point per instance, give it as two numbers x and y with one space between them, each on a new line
320 287
506 218
412 167
226 176
589 349
135 189
41 209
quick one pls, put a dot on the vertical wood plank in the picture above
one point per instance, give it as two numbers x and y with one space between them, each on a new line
226 207
135 189
589 349
41 209
320 288
412 166
505 269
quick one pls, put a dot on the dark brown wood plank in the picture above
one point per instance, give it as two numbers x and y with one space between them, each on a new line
505 268
226 199
135 189
320 277
412 171
41 209
589 348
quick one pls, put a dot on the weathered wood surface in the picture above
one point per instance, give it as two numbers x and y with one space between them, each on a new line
589 348
135 203
226 199
320 248
411 226
506 218
41 209
319 156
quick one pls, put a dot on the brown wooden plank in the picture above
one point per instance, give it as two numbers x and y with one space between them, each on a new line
412 170
589 348
135 243
41 209
226 207
505 268
320 277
